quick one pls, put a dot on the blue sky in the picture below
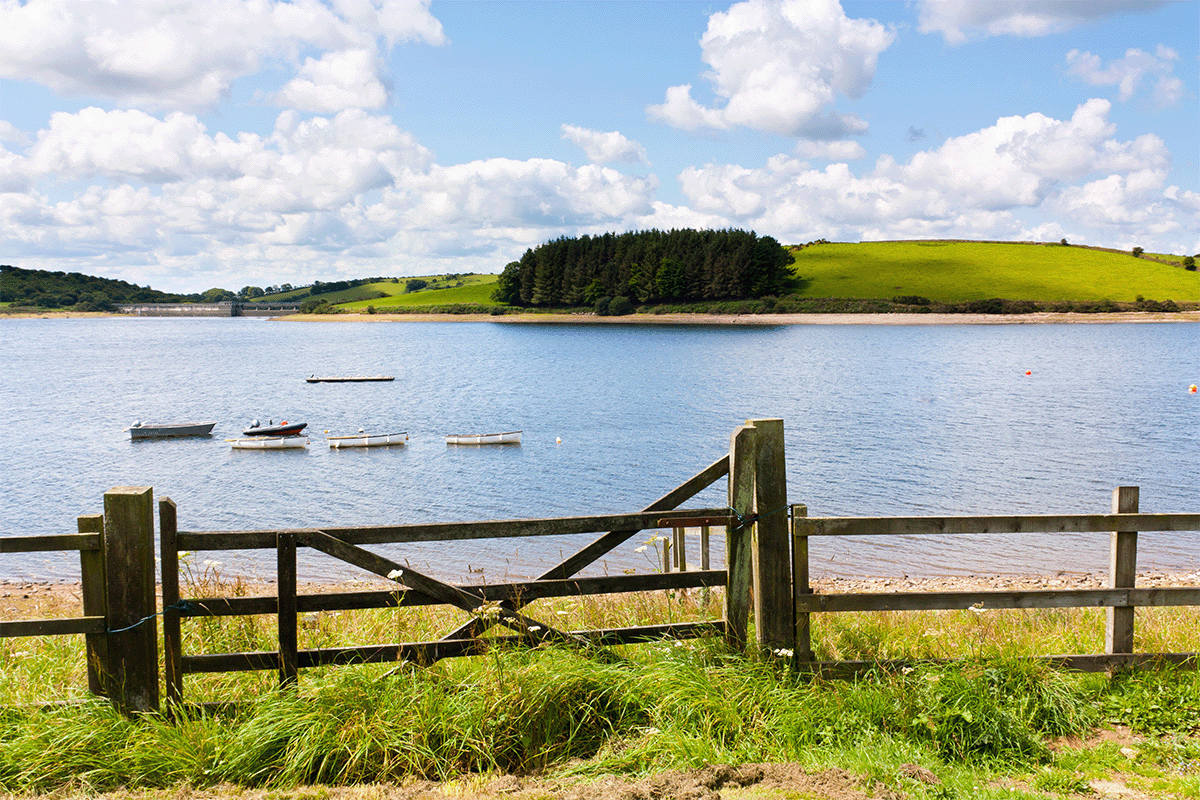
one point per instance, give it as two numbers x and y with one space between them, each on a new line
227 143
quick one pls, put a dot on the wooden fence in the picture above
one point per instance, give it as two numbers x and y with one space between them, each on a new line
121 623
766 576
1121 597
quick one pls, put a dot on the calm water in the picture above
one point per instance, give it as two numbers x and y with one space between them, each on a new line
879 420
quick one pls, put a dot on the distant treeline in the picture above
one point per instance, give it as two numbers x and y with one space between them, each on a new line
647 266
45 289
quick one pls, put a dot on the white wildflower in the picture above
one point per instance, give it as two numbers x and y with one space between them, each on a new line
395 574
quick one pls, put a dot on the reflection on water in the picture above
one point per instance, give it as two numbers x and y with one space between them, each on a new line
879 420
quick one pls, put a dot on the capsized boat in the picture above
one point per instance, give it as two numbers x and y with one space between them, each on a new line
361 439
284 428
348 378
508 437
269 443
163 430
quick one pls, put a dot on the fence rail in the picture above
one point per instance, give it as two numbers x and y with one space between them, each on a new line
765 576
1121 598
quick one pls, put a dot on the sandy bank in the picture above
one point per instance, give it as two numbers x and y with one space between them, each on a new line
763 319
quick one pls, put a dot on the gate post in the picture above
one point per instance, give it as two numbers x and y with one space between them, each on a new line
737 539
774 612
128 552
91 573
1118 632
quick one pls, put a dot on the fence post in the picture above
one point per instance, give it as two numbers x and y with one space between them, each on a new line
289 668
800 582
1122 574
737 538
774 613
172 636
128 548
91 573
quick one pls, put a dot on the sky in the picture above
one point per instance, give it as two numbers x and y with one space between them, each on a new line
228 143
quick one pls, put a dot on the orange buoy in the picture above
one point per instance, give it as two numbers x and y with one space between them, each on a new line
1192 389
1028 372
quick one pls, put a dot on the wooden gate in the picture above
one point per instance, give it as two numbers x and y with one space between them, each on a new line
757 566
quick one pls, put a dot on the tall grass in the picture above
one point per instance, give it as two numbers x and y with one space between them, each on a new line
551 709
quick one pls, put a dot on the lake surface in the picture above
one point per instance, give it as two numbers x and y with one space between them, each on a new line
879 420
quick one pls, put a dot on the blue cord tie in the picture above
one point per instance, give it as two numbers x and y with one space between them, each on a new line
182 605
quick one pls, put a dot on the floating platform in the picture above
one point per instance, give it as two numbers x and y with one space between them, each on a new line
348 378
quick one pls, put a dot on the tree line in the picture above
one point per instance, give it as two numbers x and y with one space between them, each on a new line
647 266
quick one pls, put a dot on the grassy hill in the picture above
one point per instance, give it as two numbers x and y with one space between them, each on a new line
955 272
475 289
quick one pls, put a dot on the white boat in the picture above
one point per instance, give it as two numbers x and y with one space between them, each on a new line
268 443
510 437
361 439
152 430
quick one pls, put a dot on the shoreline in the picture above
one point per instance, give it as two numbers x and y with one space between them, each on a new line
749 320
766 320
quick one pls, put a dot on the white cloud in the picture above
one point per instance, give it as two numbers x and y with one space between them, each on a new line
338 80
778 66
1128 73
187 55
980 185
962 20
313 197
601 148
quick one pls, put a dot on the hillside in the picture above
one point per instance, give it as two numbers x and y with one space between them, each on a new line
43 289
957 272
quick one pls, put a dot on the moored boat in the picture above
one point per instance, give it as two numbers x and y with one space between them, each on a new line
157 430
508 437
284 428
269 443
348 378
361 439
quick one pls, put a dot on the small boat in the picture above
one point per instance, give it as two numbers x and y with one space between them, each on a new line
349 378
510 437
361 439
284 428
269 443
149 430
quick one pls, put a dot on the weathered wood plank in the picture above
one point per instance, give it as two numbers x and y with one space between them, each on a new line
51 627
172 634
1050 523
469 601
1122 573
774 618
132 610
801 586
737 538
38 544
94 591
230 662
448 531
528 591
613 538
288 621
932 601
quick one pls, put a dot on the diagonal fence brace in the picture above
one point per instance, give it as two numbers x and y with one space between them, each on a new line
470 602
608 542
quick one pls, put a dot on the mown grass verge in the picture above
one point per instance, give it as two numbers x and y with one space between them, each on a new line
991 717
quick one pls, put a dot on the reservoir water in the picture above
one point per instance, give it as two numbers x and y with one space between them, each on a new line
879 420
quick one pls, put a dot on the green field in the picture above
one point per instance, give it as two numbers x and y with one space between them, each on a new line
962 271
476 289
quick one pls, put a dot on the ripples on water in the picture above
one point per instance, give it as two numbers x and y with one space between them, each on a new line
879 420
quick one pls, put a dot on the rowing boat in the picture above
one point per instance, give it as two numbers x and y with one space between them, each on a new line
509 437
367 440
150 430
269 443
